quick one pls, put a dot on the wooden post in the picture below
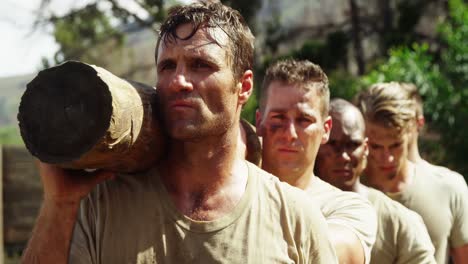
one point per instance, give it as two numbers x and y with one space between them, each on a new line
81 116
2 243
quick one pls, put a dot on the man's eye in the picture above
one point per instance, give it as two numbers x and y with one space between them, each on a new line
396 145
199 64
372 146
278 118
166 66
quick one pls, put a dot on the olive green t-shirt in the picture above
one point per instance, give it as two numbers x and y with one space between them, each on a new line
132 219
442 202
346 209
402 237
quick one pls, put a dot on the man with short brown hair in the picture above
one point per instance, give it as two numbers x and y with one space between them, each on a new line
389 112
202 203
293 122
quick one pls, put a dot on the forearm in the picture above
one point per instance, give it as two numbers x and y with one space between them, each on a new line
51 237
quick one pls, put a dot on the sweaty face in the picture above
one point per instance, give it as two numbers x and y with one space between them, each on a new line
342 159
196 84
292 129
387 152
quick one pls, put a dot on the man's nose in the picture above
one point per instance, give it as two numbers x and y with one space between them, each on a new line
181 81
291 132
345 155
388 157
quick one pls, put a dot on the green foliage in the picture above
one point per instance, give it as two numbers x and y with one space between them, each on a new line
415 65
443 88
454 65
82 30
248 112
454 33
407 17
9 135
329 54
343 85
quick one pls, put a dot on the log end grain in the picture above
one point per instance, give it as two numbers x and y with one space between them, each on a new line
64 111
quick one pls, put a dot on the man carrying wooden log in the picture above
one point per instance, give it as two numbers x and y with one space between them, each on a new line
202 203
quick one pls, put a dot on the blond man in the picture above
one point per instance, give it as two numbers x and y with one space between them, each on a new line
402 236
388 110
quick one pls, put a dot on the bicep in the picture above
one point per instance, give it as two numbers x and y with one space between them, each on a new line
348 246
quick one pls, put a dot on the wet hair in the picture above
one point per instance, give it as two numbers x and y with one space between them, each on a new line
211 15
301 72
388 104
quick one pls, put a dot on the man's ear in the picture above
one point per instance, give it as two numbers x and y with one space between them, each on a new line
366 146
246 87
258 123
420 122
327 126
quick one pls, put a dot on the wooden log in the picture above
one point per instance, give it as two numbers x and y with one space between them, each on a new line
81 116
253 144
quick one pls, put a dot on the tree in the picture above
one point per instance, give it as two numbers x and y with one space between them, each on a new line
442 79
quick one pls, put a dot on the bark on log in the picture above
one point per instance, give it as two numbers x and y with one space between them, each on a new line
253 144
81 116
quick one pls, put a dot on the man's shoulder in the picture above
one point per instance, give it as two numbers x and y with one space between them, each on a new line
124 187
272 185
446 180
390 209
284 196
336 199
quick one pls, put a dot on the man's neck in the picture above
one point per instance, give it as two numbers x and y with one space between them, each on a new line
401 181
301 180
205 178
413 153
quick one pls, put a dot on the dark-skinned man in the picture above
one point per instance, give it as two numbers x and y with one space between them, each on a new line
402 237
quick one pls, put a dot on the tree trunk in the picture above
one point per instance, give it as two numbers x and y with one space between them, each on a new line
81 116
357 41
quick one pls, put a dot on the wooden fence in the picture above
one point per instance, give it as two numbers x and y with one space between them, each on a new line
22 197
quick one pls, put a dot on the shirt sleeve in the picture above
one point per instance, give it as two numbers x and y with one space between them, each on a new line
83 246
413 241
459 206
316 244
354 212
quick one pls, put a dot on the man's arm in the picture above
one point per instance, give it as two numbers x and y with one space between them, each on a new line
347 245
413 240
50 240
459 207
460 254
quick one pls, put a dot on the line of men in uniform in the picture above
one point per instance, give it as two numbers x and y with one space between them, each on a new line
203 203
422 209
